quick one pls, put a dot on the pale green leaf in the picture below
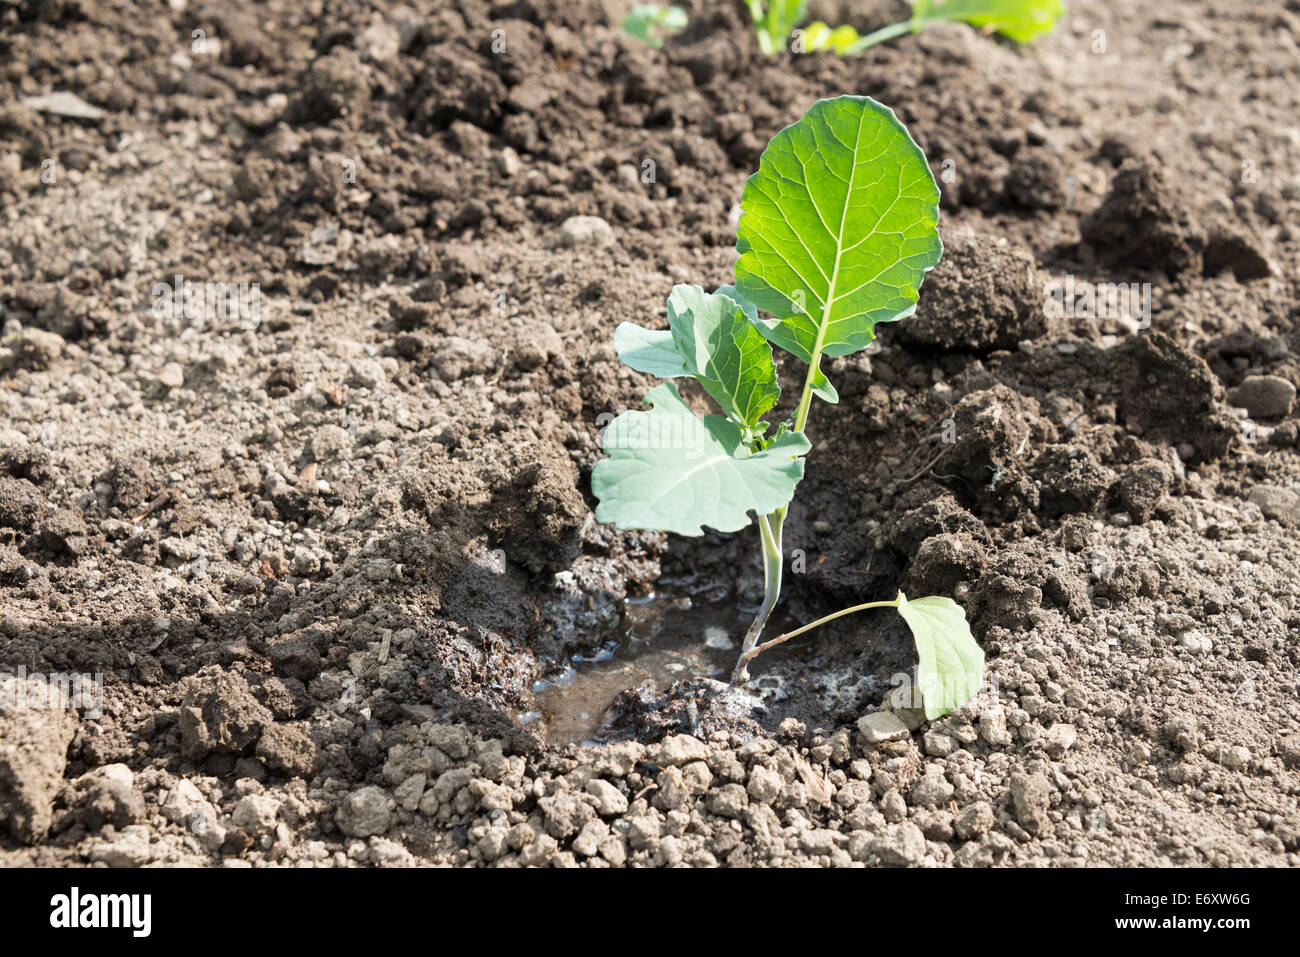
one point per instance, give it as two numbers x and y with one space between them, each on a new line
838 228
1021 20
951 663
773 21
724 351
672 470
711 338
650 351
651 22
820 36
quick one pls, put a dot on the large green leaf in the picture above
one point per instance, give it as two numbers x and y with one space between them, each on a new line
1022 20
951 663
838 227
672 470
711 338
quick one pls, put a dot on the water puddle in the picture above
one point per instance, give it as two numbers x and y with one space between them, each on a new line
665 638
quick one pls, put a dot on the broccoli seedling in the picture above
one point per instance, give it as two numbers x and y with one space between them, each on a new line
651 22
1023 21
838 228
774 20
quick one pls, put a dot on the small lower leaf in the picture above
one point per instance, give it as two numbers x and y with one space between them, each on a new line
672 470
823 389
951 663
712 338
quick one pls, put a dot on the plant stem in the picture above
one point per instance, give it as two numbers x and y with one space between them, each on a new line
883 34
770 526
772 559
756 650
805 399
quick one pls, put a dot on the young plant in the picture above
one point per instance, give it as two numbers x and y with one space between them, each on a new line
1023 21
838 228
774 20
651 22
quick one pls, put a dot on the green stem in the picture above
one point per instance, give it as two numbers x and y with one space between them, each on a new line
769 529
756 650
805 399
883 34
772 559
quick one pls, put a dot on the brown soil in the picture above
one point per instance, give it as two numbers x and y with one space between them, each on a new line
320 558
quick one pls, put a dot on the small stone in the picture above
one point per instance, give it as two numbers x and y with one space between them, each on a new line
899 845
33 348
130 848
365 373
1030 794
493 844
584 231
540 851
881 726
697 777
717 639
932 790
255 813
616 760
764 785
363 812
287 750
408 793
588 841
181 801
730 800
643 832
892 806
1263 396
565 814
1288 747
993 728
677 749
1277 503
1181 732
610 801
818 841
938 745
172 376
380 42
508 162
974 820
614 850
63 103
1235 758
1060 738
